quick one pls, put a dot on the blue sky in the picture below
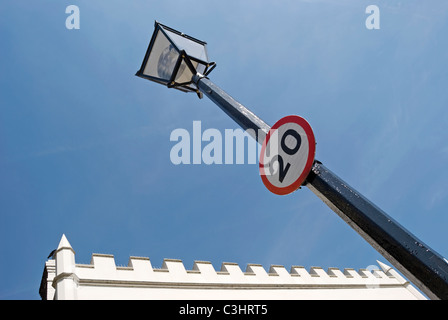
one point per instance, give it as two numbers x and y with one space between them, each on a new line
85 148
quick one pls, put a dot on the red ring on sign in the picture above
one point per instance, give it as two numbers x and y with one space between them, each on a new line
310 158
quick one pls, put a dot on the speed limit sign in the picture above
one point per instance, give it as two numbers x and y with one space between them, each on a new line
287 155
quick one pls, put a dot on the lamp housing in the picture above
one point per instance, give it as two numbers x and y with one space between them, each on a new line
173 58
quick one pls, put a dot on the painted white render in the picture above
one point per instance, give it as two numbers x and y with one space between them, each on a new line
64 279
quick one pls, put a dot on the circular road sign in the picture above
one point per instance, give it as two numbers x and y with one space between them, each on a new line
287 155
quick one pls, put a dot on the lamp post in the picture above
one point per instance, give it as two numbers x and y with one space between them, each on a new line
181 62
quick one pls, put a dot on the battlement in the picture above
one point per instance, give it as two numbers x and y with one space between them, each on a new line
140 279
140 269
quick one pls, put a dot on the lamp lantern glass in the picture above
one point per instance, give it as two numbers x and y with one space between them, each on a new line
173 58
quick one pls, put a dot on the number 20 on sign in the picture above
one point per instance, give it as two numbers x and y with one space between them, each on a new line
287 155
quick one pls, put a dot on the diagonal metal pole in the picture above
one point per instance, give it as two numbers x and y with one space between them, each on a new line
424 267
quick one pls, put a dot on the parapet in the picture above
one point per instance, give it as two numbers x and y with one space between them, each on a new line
103 279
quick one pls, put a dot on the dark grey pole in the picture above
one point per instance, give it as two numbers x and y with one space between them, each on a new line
427 269
418 262
256 127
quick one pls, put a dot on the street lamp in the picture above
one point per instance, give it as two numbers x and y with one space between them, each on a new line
180 61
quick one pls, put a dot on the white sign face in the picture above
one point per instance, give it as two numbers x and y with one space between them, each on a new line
287 155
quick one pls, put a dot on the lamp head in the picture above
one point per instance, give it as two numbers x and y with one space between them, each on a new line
173 58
